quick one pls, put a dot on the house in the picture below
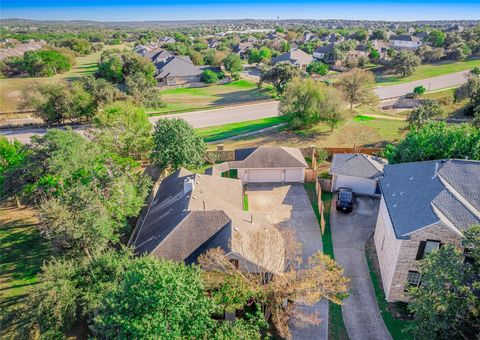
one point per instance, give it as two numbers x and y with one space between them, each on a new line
242 49
157 55
166 40
212 43
265 164
295 57
423 205
357 171
178 70
421 35
19 50
193 213
405 41
322 52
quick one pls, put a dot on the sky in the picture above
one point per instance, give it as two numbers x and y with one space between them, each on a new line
147 10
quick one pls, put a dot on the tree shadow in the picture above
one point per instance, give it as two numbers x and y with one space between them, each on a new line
241 96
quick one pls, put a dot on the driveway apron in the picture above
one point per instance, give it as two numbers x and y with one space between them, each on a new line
350 232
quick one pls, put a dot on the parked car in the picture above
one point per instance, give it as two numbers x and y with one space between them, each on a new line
345 200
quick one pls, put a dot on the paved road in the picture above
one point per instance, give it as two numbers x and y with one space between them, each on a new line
349 233
197 119
288 206
431 84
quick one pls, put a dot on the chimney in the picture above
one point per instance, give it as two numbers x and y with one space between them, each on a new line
188 185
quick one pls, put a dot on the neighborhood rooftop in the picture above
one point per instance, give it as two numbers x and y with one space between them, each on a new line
357 165
417 193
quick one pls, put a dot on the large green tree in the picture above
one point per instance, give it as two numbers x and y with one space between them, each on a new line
446 304
307 102
436 140
233 64
177 145
12 156
425 113
405 63
45 63
114 65
279 75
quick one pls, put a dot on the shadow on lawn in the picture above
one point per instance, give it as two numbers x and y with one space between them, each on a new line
241 96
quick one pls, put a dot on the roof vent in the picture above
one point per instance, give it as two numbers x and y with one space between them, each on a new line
411 178
436 171
395 205
236 229
402 192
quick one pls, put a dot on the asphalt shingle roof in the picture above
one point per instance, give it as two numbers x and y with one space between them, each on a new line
357 165
411 190
269 157
294 56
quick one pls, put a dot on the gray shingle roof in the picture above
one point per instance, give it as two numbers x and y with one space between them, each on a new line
177 66
181 225
269 157
357 165
405 37
411 190
294 57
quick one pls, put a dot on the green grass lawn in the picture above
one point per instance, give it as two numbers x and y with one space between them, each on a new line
395 326
218 132
428 71
199 98
245 202
336 326
11 88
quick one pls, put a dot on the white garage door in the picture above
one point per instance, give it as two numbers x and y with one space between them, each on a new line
358 185
293 175
265 175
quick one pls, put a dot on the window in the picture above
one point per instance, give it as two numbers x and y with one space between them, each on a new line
431 246
413 279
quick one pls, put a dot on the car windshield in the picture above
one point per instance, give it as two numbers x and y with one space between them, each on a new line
345 196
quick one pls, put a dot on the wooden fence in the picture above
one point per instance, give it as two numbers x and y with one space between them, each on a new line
318 190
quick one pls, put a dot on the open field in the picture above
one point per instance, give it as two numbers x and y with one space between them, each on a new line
374 132
199 98
11 88
229 130
428 71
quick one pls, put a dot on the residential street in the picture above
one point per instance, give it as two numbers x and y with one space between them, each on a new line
431 84
349 233
287 206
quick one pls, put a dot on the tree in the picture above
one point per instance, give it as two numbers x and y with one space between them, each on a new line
123 129
471 91
233 64
405 63
317 278
115 65
102 92
307 102
155 299
176 144
436 140
143 92
209 77
436 38
12 156
419 90
317 67
279 75
423 114
263 54
357 87
213 57
446 304
81 47
45 63
57 102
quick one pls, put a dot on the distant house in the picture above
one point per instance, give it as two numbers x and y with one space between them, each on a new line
405 41
178 70
193 213
265 164
308 37
295 57
212 43
421 35
423 205
166 40
20 49
157 55
322 52
242 49
334 37
358 172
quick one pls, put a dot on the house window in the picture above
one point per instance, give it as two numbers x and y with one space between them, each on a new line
426 247
413 279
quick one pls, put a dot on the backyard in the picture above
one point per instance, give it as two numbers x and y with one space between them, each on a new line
199 98
11 88
428 71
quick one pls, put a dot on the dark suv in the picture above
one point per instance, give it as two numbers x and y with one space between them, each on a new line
345 200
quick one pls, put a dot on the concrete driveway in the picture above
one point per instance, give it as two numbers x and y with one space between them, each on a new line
288 206
350 232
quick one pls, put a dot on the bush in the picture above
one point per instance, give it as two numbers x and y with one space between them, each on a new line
209 77
419 90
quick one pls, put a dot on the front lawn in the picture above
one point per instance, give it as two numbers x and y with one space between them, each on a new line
428 71
199 98
336 326
213 133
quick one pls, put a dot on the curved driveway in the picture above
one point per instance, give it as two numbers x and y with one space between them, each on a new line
349 233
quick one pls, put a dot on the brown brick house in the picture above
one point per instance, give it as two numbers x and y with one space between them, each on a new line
423 205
